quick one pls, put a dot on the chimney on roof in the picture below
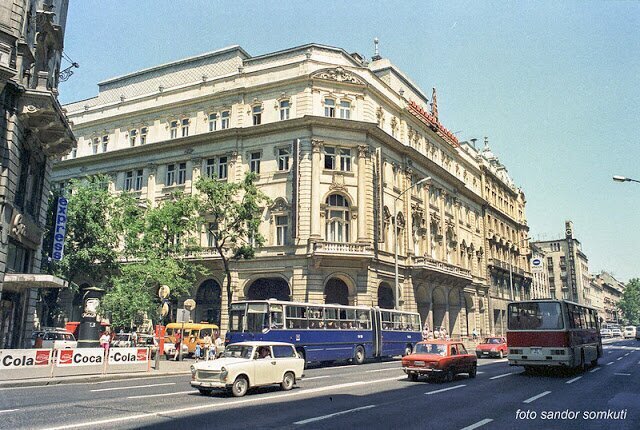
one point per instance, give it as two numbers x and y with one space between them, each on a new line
359 58
376 50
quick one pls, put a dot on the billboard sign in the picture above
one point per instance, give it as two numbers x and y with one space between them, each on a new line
80 357
60 228
537 265
24 358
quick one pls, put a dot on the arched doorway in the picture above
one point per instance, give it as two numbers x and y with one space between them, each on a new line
439 308
423 301
455 308
386 298
269 288
208 302
336 292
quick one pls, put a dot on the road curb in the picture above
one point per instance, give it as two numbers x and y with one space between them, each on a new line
26 383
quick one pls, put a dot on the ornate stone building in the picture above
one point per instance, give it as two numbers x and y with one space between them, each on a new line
340 146
33 131
612 291
540 278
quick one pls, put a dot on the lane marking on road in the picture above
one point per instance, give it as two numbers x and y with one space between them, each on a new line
317 377
146 396
445 389
114 381
478 424
480 373
501 376
381 370
335 414
623 374
610 363
168 414
8 410
571 381
339 367
595 369
531 399
619 358
626 354
132 387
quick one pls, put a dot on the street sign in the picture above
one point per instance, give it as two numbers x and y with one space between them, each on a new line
164 291
60 229
164 309
189 304
183 315
537 265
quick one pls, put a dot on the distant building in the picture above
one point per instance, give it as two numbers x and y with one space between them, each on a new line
597 295
33 130
567 268
540 278
612 291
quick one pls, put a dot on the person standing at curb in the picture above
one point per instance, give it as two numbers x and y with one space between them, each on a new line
178 345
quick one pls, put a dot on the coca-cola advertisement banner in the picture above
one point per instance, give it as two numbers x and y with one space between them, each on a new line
80 357
24 358
128 355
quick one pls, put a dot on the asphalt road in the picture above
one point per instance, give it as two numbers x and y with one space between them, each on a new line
374 395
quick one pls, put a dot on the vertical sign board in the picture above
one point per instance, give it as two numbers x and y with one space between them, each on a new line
537 265
60 227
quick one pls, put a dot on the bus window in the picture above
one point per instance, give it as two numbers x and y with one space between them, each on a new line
315 315
364 319
387 323
205 332
331 318
236 321
277 316
347 318
256 317
296 317
535 316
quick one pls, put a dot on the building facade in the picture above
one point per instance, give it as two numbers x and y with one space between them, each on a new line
540 276
33 131
567 268
612 291
335 141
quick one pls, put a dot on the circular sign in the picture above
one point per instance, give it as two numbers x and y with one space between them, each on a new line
189 304
164 291
536 262
164 309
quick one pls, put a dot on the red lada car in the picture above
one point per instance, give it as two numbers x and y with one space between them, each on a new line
441 359
492 347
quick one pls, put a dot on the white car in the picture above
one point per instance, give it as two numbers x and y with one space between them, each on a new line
54 338
169 349
122 340
246 365
630 332
606 332
616 332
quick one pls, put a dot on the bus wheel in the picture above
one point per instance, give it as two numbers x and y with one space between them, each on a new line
358 357
583 363
407 350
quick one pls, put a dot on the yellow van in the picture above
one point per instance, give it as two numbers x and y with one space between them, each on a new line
192 333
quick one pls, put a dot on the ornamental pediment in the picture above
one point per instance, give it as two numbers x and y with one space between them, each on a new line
338 74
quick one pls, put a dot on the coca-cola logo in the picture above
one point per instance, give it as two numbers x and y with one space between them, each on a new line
66 356
141 354
42 357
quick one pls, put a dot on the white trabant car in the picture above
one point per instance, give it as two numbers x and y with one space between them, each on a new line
246 365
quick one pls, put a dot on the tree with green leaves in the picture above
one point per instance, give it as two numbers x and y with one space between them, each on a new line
629 304
235 210
155 244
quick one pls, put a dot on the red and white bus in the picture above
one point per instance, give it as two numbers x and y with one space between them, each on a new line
553 333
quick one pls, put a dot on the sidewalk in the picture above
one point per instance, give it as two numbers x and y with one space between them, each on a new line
167 368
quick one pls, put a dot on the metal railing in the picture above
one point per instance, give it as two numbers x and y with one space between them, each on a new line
442 267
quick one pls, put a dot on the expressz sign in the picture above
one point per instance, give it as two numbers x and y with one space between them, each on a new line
128 355
24 358
80 357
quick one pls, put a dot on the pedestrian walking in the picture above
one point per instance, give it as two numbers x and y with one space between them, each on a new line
474 333
218 344
198 351
104 342
207 346
178 345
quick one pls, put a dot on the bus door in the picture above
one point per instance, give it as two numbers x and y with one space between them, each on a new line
377 332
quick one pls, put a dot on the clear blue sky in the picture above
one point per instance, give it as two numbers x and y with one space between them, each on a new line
554 85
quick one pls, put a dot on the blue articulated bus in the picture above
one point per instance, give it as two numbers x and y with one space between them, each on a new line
323 332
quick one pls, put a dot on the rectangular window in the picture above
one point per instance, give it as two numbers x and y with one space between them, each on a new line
133 137
283 159
185 127
212 228
345 110
213 121
329 158
174 129
143 135
94 145
222 168
74 152
224 122
171 175
182 173
345 160
282 225
137 186
254 162
330 108
257 115
284 110
105 143
128 180
210 168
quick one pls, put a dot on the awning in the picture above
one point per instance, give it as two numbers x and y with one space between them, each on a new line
22 281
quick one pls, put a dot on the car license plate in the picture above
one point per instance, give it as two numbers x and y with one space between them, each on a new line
536 351
485 352
418 363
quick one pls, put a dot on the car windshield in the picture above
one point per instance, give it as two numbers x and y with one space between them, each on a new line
493 340
431 348
238 351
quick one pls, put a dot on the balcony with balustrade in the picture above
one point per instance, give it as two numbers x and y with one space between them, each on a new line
341 249
434 266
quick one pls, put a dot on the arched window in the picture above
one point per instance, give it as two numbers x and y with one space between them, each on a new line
337 218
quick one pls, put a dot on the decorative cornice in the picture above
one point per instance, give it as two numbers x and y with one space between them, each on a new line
338 74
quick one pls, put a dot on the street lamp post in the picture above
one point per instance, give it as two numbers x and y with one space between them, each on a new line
511 268
395 235
619 178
